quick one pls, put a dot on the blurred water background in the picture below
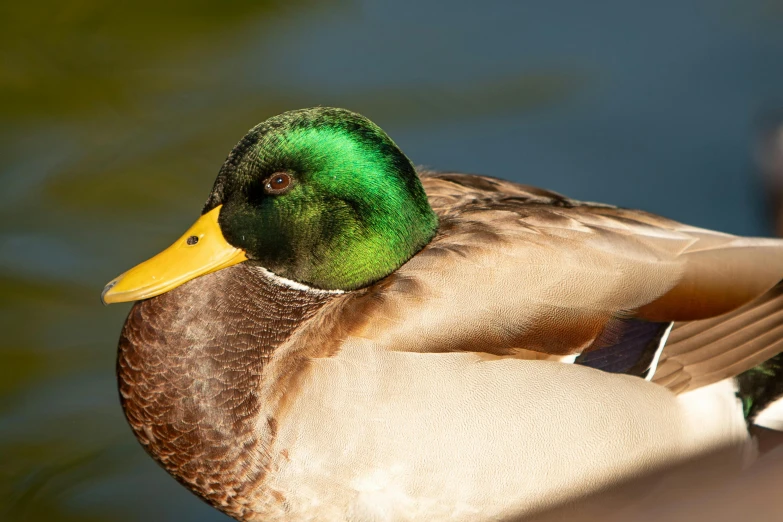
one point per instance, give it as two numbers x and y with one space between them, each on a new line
114 121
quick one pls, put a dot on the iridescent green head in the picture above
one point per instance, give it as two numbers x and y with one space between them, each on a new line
324 197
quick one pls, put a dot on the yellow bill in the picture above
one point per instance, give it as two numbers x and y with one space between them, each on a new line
201 250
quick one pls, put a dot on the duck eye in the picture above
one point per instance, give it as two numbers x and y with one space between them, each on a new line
278 183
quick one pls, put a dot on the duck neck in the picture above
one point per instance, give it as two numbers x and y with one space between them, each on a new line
190 369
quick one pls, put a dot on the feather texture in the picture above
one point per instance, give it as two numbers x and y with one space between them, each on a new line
516 269
414 398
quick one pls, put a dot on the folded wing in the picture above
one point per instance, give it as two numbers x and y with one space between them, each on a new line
517 270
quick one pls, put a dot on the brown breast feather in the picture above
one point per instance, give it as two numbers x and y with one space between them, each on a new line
190 368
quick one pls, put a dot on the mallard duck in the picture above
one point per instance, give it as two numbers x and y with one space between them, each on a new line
341 337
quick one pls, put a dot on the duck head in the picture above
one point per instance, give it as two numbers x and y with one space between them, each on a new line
319 196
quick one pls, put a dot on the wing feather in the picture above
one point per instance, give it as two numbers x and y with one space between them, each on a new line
702 352
516 269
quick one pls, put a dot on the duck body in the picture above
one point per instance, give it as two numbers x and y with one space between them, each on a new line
528 349
373 434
